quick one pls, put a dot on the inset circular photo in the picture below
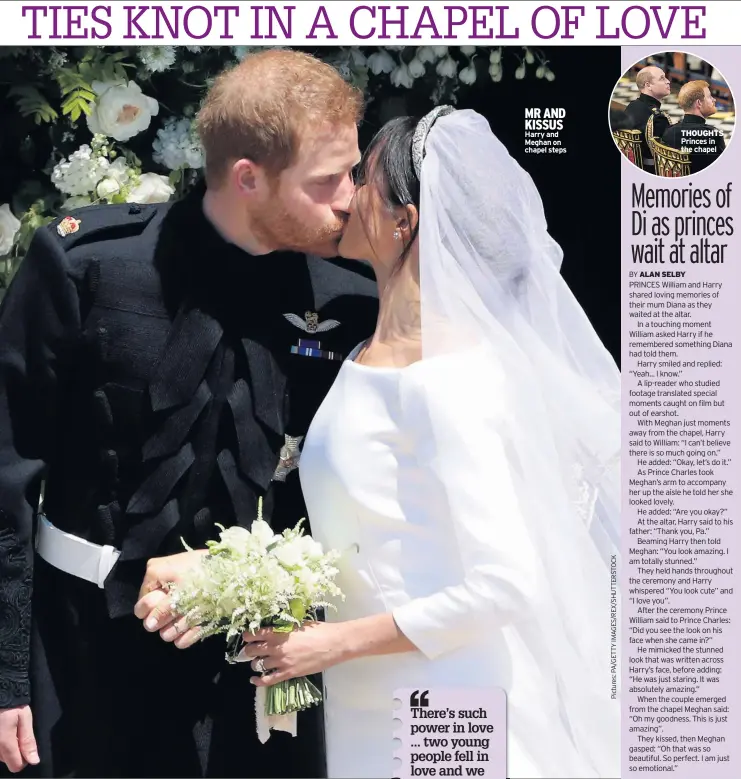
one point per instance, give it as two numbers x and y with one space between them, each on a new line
672 114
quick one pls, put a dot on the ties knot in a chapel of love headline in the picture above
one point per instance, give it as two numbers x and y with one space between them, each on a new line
172 22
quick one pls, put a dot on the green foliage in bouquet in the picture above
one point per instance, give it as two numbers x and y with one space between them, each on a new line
252 579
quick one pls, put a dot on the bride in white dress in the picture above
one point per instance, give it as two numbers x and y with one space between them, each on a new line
465 462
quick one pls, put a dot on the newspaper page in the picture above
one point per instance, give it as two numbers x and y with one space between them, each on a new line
457 286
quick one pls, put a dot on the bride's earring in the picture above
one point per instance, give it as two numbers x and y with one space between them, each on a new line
397 235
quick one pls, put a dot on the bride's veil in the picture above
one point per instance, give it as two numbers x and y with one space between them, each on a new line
491 286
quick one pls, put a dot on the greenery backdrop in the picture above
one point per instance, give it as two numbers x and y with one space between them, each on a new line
115 125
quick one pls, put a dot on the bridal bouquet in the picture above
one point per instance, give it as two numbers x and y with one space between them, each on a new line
253 579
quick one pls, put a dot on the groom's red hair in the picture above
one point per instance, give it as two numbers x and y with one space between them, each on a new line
260 109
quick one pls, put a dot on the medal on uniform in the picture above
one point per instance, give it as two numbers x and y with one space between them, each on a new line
311 324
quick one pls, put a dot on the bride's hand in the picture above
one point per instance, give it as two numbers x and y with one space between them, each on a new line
308 650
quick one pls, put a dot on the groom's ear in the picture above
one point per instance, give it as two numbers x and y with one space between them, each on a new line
249 178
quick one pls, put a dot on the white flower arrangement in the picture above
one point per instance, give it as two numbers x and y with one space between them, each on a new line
157 59
401 76
120 110
381 62
177 145
447 67
150 188
416 67
253 579
96 174
468 74
80 174
426 54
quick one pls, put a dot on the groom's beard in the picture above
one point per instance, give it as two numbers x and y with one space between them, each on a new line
277 228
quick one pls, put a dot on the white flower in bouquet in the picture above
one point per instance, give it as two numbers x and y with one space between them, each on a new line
468 75
254 579
447 67
262 534
416 68
121 110
80 174
177 145
381 62
401 77
9 227
151 188
157 59
311 549
289 555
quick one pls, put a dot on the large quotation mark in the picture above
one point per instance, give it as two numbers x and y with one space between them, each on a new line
416 700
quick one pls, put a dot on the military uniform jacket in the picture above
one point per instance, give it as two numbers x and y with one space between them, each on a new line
695 135
147 374
640 111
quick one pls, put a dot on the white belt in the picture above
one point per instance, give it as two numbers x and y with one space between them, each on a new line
74 555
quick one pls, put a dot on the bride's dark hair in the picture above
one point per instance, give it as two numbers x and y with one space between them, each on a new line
387 165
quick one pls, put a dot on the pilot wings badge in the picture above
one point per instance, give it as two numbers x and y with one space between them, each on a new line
311 324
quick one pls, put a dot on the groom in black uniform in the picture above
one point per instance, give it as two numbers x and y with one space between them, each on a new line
159 366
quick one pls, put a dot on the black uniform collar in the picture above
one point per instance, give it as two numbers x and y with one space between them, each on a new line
693 119
649 101
201 231
197 263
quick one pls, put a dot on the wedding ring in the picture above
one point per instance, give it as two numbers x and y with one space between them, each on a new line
157 585
153 586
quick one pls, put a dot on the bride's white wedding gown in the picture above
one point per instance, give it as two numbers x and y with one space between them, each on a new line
368 474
